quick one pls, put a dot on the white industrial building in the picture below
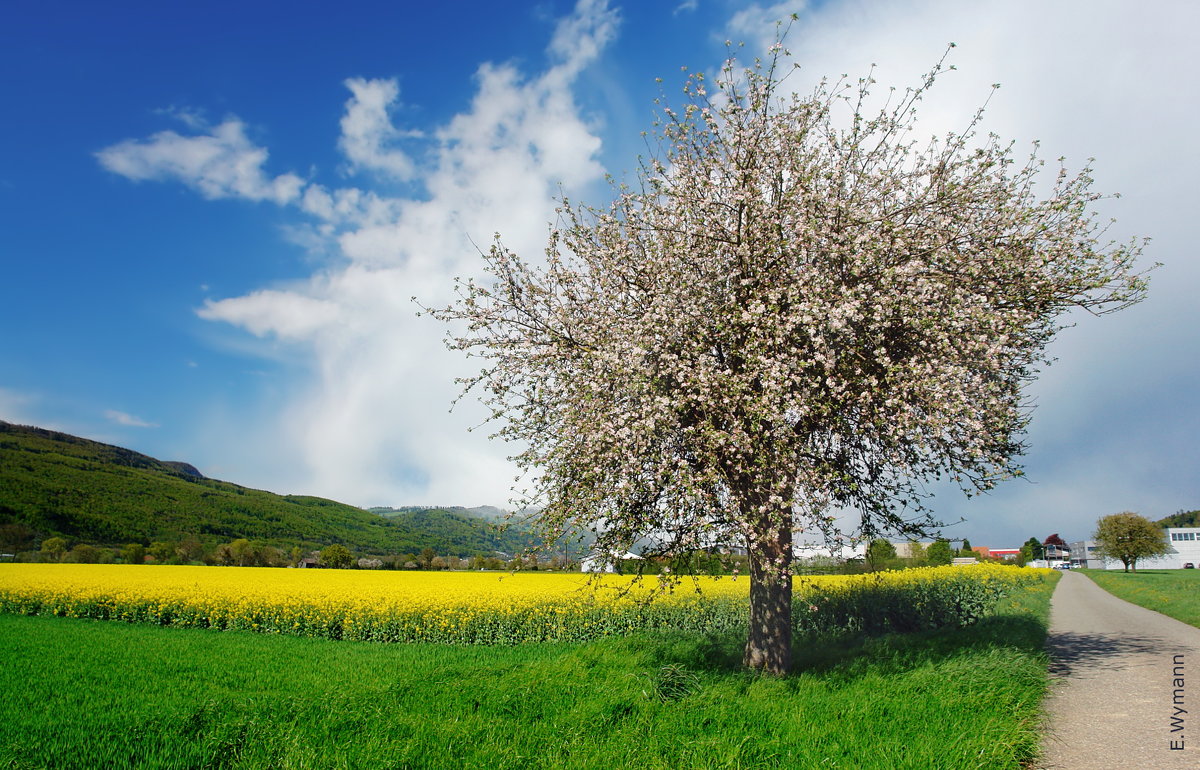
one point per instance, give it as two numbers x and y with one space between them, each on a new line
597 561
837 548
1185 549
1083 554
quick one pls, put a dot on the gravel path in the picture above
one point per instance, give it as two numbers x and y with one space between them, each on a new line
1123 678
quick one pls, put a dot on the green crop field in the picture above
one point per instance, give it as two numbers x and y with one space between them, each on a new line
88 694
1173 592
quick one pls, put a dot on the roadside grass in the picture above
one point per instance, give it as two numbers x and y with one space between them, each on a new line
82 693
1173 592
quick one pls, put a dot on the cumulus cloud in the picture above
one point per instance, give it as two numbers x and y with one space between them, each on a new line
284 314
222 163
367 130
371 425
367 421
579 37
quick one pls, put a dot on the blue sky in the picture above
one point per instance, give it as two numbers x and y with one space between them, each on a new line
213 217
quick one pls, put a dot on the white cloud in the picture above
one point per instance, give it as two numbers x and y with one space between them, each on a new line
371 426
755 24
367 129
284 314
579 37
367 421
127 420
222 163
1115 426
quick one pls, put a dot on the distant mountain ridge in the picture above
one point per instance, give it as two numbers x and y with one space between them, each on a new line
56 484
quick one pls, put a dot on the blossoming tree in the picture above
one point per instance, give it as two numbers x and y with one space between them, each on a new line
800 310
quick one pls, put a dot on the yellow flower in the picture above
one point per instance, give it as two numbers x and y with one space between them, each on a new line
455 607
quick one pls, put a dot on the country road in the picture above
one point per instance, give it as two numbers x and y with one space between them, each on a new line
1125 692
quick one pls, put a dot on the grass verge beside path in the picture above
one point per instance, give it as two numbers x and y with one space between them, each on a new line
91 693
1175 592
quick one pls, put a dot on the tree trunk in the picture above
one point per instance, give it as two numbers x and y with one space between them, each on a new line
769 647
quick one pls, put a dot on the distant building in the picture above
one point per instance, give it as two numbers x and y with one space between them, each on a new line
1083 554
839 549
1185 549
904 549
1056 554
605 562
995 553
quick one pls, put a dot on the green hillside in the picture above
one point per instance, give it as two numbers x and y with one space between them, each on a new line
468 533
1181 519
55 484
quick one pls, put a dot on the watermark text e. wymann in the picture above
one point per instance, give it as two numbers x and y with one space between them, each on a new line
1177 710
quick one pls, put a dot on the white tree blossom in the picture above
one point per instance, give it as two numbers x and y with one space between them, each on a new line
801 308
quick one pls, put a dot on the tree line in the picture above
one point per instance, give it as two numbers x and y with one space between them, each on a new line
242 552
883 555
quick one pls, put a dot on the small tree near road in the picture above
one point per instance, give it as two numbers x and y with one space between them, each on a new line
1127 537
800 307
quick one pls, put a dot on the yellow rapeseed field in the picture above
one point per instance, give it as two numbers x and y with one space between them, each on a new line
484 607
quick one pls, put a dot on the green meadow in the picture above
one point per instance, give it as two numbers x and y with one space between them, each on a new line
87 694
1174 592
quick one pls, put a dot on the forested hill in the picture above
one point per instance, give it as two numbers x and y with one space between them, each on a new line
1181 519
486 512
54 484
462 530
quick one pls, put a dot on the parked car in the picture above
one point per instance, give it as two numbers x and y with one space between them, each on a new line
1188 565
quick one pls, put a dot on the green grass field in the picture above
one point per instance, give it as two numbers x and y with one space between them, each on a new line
1173 592
92 694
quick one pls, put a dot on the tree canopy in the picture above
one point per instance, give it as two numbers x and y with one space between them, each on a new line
1128 537
799 309
336 556
880 553
939 553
